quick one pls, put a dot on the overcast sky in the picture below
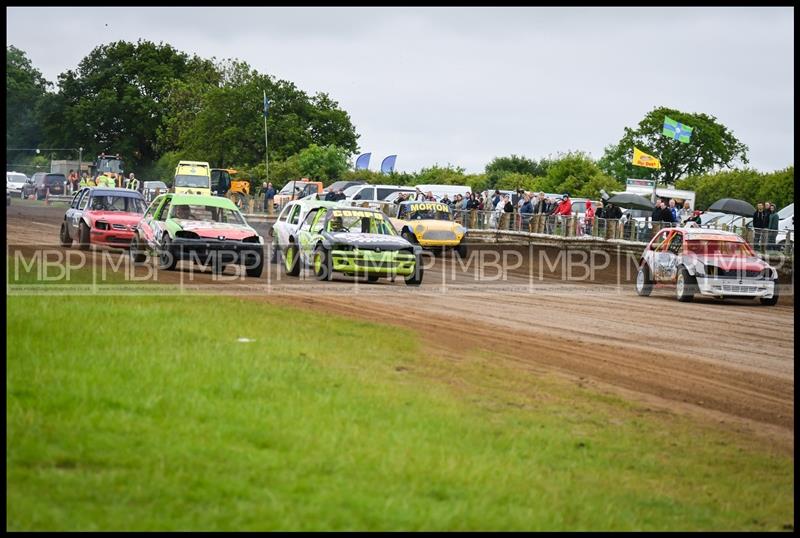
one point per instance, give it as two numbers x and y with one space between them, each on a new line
463 85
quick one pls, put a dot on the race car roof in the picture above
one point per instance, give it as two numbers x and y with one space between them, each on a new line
203 199
113 191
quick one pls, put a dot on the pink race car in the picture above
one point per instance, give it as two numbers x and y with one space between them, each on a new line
102 216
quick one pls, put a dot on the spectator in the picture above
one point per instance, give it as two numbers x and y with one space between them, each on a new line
495 199
540 206
526 210
774 222
600 213
564 207
673 211
613 212
695 218
72 181
588 218
269 195
330 196
685 213
760 224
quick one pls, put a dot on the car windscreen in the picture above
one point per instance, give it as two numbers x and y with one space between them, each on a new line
292 187
187 180
355 221
712 247
425 210
127 204
206 213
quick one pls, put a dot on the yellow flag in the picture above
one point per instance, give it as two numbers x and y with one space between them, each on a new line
641 158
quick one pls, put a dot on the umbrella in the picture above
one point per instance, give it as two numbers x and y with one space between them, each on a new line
629 200
733 206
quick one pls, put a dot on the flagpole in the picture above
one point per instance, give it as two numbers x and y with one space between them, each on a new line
266 142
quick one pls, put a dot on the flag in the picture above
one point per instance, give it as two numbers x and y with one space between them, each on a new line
387 166
362 163
676 130
266 105
641 158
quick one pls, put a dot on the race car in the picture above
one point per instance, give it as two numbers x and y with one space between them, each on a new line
102 216
709 262
354 242
429 224
208 230
289 220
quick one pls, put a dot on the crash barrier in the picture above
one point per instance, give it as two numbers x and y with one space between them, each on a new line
635 230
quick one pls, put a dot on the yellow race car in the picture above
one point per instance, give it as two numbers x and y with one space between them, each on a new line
430 225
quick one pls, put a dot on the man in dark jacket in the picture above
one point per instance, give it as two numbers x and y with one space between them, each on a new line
760 224
774 223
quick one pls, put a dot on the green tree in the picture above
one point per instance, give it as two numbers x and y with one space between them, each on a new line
712 147
500 166
25 90
744 184
323 163
440 175
516 180
115 100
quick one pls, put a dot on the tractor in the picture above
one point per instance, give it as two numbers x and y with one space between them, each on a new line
222 184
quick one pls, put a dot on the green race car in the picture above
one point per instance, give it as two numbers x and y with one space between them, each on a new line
209 230
353 242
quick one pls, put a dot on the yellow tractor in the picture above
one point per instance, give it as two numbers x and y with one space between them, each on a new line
238 190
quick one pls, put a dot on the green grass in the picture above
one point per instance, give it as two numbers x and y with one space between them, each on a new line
146 413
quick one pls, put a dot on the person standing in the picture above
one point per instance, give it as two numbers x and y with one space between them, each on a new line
588 218
673 211
269 195
760 224
685 213
773 224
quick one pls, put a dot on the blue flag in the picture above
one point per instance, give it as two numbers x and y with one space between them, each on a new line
266 105
387 166
362 163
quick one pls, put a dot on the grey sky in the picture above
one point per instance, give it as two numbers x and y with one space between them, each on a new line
463 85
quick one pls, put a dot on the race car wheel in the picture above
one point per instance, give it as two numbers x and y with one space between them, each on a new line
275 257
461 250
136 253
63 236
291 262
83 236
415 278
373 278
255 263
323 265
644 283
772 301
686 286
166 258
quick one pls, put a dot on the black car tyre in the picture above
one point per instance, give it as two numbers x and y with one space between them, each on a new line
136 252
461 250
291 262
644 282
686 286
255 263
323 264
415 278
373 278
166 258
275 257
83 236
772 301
63 236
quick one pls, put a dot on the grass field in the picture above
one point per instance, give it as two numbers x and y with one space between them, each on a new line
147 413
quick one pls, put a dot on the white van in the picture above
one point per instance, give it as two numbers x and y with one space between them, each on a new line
374 192
439 191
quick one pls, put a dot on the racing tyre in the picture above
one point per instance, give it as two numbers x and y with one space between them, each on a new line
83 236
461 250
166 258
291 262
63 236
255 263
323 265
275 257
415 279
644 283
772 301
686 286
136 253
372 279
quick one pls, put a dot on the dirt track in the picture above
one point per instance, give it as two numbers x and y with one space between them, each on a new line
731 362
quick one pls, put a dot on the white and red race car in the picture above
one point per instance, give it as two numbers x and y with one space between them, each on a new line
709 262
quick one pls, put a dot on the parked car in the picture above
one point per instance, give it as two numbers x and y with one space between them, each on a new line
102 216
709 262
151 189
42 182
352 241
295 190
206 229
336 185
375 192
785 225
289 220
15 181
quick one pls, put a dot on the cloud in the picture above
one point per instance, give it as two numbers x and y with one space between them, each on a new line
463 85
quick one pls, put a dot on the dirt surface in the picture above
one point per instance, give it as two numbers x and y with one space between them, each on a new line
731 362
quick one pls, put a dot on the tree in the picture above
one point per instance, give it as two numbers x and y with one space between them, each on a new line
712 147
744 184
25 90
500 166
115 101
322 163
440 175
